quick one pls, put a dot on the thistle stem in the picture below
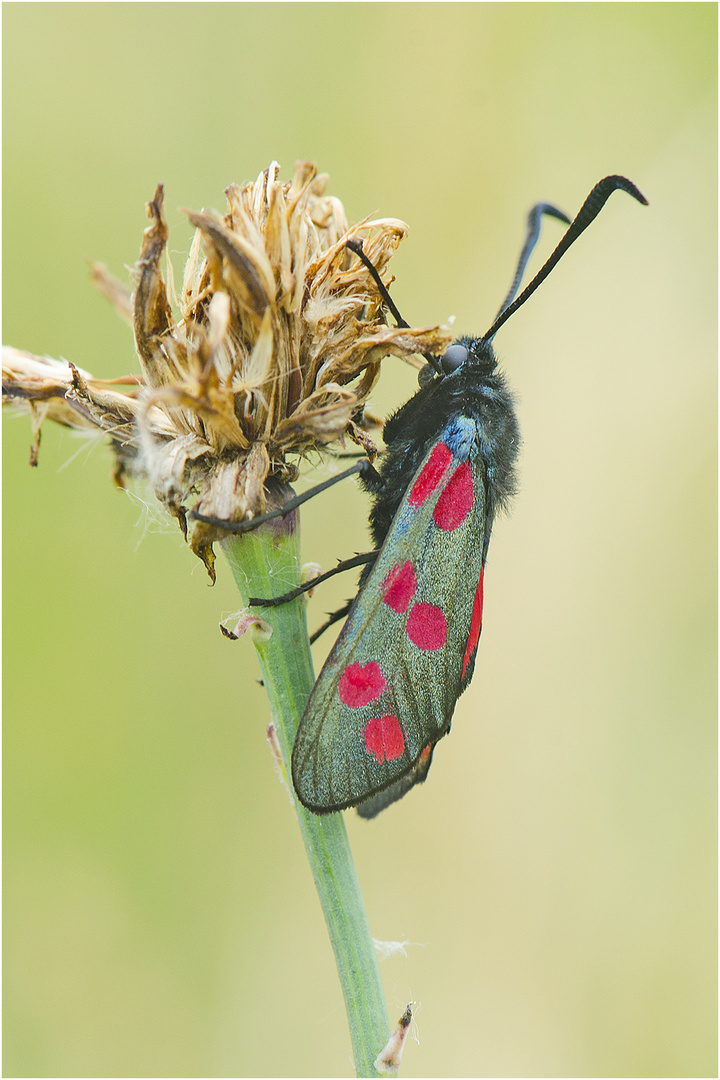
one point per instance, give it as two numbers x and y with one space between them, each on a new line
265 562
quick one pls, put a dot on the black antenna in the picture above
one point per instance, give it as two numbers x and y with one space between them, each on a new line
586 214
385 296
387 299
532 234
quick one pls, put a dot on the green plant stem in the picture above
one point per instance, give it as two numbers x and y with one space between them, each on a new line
265 562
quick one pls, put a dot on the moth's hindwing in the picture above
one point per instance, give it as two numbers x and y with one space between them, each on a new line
389 686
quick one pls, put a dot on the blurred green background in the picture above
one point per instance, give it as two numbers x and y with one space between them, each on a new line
555 878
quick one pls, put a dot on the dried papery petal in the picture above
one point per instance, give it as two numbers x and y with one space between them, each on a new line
58 391
236 265
152 312
118 294
321 418
277 342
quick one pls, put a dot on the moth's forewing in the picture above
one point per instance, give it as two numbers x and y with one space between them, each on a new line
388 688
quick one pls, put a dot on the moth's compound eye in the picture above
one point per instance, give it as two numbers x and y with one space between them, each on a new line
453 358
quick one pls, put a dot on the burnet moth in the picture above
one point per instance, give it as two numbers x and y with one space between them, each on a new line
387 691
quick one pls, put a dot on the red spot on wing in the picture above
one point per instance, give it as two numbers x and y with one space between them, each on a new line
455 502
399 587
475 626
427 626
384 738
432 473
360 684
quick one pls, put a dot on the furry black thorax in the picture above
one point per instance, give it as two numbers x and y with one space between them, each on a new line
476 390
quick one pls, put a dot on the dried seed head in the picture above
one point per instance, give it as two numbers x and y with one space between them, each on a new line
275 344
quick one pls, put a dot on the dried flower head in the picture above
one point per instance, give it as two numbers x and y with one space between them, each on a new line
275 343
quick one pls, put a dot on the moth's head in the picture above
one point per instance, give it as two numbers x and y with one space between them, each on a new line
476 353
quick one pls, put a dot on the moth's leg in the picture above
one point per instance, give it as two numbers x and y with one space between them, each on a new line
363 467
345 564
